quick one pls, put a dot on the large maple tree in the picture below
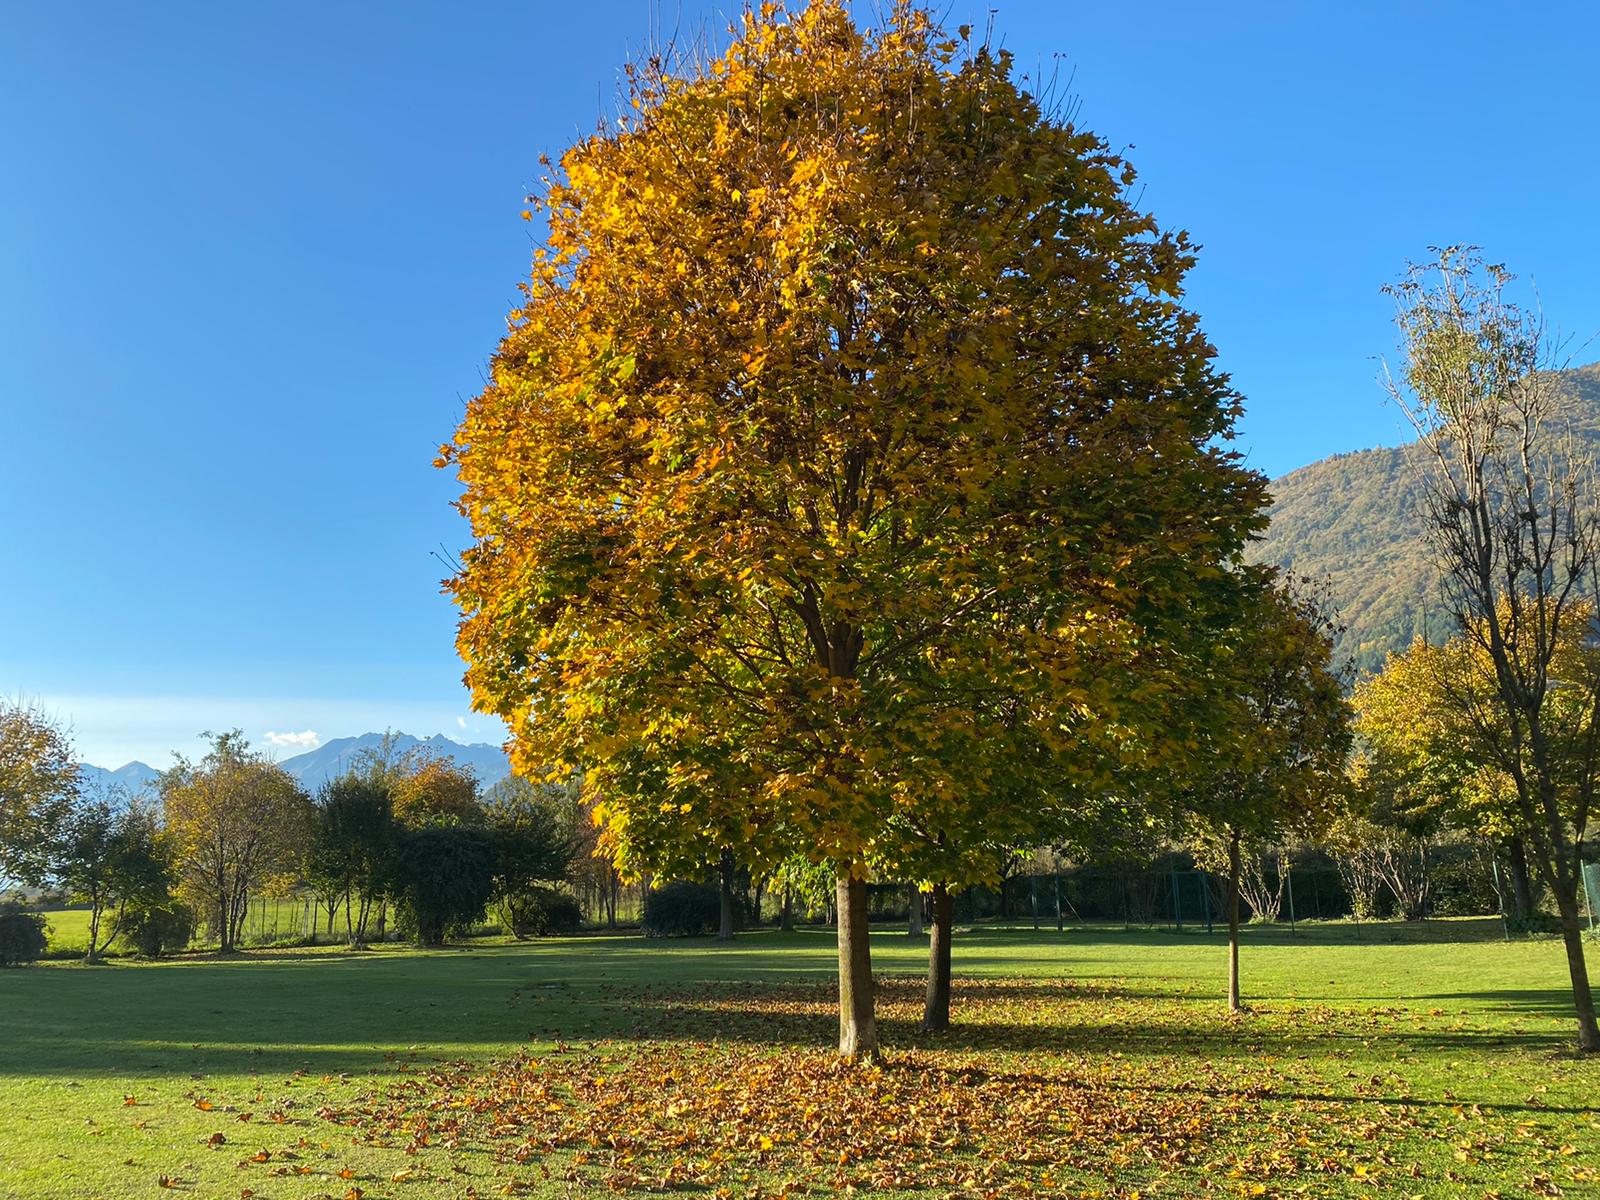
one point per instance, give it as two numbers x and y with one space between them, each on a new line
850 466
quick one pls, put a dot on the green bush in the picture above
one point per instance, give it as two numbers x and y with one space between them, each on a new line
22 936
682 908
539 911
163 929
443 879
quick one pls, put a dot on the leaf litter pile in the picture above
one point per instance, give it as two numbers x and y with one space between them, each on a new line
1046 1088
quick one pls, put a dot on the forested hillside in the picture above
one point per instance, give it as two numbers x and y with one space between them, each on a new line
1355 521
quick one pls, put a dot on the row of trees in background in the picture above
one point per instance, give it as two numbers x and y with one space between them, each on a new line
403 834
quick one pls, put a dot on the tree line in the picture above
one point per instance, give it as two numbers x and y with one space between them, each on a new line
406 838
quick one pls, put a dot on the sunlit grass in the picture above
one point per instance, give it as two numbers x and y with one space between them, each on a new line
1398 1043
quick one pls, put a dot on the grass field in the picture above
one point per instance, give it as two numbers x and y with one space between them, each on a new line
269 921
1383 1061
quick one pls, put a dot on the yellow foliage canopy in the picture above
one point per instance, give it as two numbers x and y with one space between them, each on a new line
851 473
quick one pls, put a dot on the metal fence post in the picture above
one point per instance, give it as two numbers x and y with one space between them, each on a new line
1500 899
1288 879
1590 874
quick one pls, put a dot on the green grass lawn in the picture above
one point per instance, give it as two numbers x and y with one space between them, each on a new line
1383 1061
269 921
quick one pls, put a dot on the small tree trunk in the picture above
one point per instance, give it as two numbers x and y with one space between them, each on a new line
1521 883
858 1025
1577 968
93 953
725 930
936 1008
1233 923
914 911
786 918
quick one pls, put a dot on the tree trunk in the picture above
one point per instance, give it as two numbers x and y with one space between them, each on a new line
1233 923
725 930
1521 884
858 1025
96 907
1572 935
914 911
936 1008
786 918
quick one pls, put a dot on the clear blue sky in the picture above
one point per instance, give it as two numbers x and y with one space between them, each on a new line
254 257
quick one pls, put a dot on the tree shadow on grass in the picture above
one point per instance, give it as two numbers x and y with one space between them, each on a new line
1330 1097
264 1012
1047 1016
1542 1002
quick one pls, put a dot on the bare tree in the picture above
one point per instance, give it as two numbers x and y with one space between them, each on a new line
1263 878
1510 517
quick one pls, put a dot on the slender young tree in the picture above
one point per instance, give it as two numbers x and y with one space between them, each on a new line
1276 754
1513 522
849 386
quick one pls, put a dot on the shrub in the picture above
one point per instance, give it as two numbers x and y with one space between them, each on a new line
682 908
22 937
444 876
161 929
538 911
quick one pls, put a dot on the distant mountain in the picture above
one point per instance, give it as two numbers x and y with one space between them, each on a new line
327 761
334 758
132 778
1355 520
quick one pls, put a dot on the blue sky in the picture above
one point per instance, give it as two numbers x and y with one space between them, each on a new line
254 257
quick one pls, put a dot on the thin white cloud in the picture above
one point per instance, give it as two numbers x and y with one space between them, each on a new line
461 721
307 740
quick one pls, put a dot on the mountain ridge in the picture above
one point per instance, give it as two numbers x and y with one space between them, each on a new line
1353 521
327 761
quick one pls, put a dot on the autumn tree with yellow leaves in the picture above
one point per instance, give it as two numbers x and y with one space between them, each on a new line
1510 517
851 463
1273 762
238 825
